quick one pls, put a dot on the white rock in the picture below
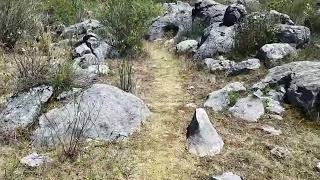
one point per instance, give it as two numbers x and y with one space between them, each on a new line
187 46
226 176
271 130
35 160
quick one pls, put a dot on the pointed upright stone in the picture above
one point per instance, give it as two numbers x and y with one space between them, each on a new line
202 137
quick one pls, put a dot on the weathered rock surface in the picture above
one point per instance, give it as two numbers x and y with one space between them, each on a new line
270 130
226 176
216 39
283 18
243 67
35 160
302 82
81 28
234 13
218 65
202 137
92 44
186 47
21 110
90 55
101 112
177 19
248 109
297 35
276 54
280 152
273 106
209 11
219 100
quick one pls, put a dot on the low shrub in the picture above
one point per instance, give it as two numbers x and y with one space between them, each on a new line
18 17
64 11
128 21
62 78
252 33
31 69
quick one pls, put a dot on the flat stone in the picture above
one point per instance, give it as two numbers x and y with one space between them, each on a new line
226 176
22 109
270 130
219 100
35 160
249 109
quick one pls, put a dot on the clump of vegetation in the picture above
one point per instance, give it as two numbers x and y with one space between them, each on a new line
126 76
63 78
17 18
65 11
233 98
298 10
128 21
31 69
252 33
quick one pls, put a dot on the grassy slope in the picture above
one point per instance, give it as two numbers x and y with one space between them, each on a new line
159 151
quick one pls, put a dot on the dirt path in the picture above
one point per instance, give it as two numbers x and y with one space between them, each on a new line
161 146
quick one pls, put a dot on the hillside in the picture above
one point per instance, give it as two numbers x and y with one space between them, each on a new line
150 89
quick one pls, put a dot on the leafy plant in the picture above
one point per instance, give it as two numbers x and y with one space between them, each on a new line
252 33
65 11
63 78
128 21
233 97
17 18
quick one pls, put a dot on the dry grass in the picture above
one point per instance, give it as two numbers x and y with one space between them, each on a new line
159 150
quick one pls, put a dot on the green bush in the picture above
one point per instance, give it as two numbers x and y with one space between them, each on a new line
128 21
17 17
298 10
252 33
62 78
65 11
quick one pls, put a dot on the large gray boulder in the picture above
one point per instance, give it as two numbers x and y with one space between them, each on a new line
101 112
21 110
81 28
302 82
219 100
276 54
249 109
226 176
208 11
202 137
216 39
177 19
296 35
234 13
